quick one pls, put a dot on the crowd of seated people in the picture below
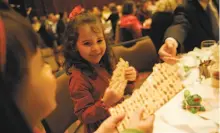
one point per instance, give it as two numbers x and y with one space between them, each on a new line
51 28
121 23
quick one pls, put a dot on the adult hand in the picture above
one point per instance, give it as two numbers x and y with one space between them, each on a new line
144 125
111 96
168 51
110 124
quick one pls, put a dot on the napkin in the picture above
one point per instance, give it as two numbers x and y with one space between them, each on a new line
205 91
206 126
160 126
192 78
189 122
212 115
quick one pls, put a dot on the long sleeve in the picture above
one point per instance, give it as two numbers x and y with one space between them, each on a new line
85 107
136 28
131 85
180 26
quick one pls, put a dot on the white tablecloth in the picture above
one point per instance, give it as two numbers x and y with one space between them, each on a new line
172 118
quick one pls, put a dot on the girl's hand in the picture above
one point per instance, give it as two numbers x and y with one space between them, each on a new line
111 96
130 74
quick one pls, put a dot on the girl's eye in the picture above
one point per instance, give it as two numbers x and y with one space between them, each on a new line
100 41
87 43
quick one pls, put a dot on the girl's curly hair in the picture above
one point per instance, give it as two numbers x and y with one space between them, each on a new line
71 54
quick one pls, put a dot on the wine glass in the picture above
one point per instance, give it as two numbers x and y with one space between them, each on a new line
206 44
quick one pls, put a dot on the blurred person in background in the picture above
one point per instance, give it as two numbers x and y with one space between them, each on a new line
162 18
105 12
149 5
142 12
107 24
114 17
130 26
61 26
46 32
119 9
43 19
36 24
65 18
194 21
97 12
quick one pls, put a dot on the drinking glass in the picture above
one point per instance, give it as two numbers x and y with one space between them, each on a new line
207 44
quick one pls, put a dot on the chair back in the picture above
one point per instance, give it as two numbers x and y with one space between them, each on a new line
125 35
142 55
122 34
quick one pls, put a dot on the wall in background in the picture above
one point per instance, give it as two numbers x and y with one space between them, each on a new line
44 7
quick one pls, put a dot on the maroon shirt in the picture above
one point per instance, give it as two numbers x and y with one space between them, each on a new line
86 94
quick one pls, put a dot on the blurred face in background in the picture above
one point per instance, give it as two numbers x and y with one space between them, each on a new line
105 8
96 11
51 17
35 19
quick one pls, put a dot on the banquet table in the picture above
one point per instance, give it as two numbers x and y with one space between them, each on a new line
172 118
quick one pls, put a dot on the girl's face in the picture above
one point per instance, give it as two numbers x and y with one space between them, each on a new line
91 43
41 89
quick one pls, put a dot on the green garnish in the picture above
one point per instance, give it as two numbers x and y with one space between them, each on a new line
202 108
186 68
186 93
192 102
193 110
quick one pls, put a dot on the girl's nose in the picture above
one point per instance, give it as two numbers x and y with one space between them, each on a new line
95 47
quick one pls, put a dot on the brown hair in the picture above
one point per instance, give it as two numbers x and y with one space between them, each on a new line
72 56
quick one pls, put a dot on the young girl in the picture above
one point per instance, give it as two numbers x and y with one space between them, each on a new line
27 84
89 62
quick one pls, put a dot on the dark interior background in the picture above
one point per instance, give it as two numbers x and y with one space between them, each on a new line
44 7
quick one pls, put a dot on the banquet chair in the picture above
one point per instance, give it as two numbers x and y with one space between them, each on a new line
123 35
142 55
49 57
63 116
